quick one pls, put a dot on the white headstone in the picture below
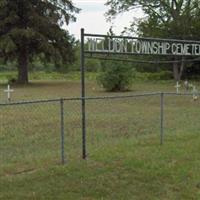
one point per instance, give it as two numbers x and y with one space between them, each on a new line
177 86
8 91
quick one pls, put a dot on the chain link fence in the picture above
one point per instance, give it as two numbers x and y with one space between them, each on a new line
181 116
35 134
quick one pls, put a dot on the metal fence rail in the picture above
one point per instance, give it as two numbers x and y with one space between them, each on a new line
38 133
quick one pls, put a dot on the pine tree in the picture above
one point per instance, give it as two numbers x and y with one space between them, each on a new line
30 28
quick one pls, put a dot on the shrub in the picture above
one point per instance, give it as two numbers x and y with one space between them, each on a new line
116 76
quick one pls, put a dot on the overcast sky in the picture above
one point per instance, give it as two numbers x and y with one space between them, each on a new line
92 18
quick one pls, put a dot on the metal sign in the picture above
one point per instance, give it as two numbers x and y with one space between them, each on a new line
105 44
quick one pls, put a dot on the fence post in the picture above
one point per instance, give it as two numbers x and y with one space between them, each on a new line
161 116
83 109
62 131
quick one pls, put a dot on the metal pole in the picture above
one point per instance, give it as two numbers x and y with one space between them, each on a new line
62 131
161 117
84 154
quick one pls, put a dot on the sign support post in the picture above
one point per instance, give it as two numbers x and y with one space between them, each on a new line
84 154
124 45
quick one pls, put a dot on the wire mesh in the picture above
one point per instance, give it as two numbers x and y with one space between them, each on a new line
181 116
31 132
73 129
30 136
111 121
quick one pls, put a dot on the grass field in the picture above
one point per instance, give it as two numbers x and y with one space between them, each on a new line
125 159
54 85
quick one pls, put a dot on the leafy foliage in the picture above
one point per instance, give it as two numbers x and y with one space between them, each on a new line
33 27
179 19
116 76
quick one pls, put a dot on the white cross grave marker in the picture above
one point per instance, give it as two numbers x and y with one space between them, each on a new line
177 86
8 91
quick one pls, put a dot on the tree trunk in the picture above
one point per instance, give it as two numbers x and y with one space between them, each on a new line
23 66
178 70
175 71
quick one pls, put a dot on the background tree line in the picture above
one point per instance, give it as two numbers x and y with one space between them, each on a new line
177 19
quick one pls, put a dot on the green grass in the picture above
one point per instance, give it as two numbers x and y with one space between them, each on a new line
125 159
52 85
131 169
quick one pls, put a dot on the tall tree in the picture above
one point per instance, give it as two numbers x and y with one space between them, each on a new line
179 19
34 27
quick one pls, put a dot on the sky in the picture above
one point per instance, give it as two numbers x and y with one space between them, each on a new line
92 18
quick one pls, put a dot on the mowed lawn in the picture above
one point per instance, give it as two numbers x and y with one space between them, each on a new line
54 85
125 158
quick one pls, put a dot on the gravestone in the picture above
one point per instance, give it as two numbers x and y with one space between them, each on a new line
8 91
177 86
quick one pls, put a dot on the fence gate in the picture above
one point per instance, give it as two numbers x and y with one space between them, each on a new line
121 48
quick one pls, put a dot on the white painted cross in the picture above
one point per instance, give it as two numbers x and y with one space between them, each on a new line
177 86
8 91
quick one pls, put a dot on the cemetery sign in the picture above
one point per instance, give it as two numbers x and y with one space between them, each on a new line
144 46
106 45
